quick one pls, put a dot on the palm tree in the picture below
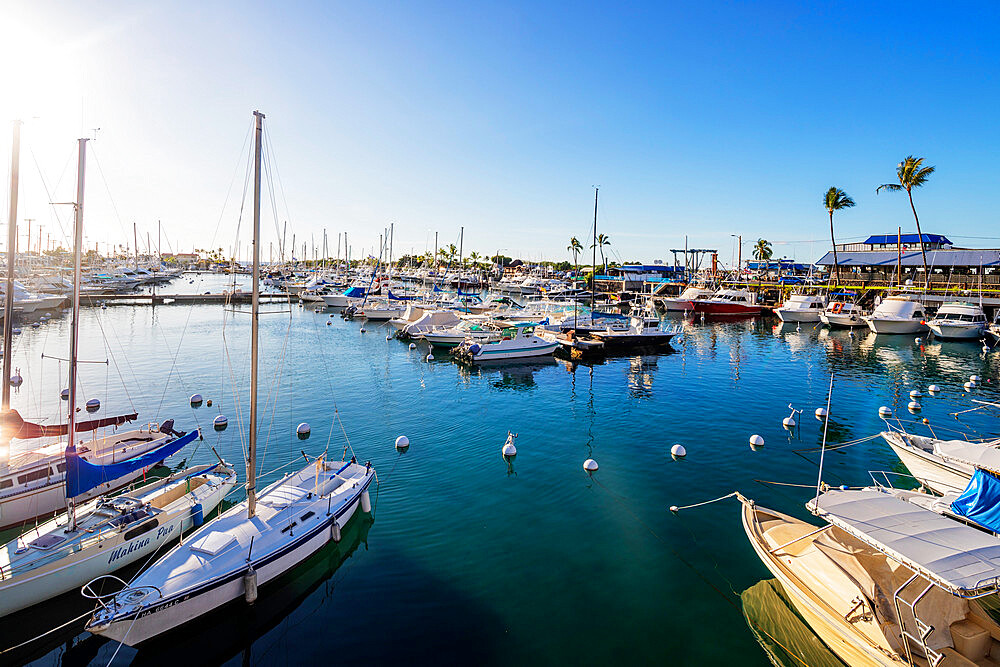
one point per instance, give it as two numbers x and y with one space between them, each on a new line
474 257
836 199
911 174
602 240
762 251
576 248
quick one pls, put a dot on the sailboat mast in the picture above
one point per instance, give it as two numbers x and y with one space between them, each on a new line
593 275
8 307
254 318
74 337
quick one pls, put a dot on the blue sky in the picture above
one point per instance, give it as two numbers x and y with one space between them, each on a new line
705 119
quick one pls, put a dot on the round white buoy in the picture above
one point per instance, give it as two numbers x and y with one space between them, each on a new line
35 325
969 386
678 451
93 405
915 394
16 380
509 449
884 412
196 399
328 323
402 442
388 337
933 389
820 413
918 340
675 509
303 430
220 422
913 406
413 346
756 440
788 422
590 465
363 329
430 357
975 378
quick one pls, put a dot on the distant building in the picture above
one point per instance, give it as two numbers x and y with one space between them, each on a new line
181 257
878 256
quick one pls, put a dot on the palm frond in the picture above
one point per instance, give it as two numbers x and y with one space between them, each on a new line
892 187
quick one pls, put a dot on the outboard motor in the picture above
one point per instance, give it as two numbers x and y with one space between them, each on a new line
167 428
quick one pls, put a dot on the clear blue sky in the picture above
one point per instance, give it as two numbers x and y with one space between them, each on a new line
706 119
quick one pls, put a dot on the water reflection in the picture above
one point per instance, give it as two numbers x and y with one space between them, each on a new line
781 632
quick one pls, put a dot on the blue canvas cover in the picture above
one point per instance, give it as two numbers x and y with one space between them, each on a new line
355 292
82 476
980 502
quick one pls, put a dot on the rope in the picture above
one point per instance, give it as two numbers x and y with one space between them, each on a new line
47 632
832 448
675 508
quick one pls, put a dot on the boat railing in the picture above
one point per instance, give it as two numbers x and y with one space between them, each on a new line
882 479
897 425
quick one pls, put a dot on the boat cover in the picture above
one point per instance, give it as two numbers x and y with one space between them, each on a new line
957 557
355 293
82 476
22 429
976 454
980 502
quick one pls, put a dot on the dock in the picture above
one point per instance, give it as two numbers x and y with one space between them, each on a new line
164 299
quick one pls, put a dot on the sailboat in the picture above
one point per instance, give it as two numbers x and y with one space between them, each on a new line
253 542
33 479
100 536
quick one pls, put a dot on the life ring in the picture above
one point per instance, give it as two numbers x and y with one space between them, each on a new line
837 307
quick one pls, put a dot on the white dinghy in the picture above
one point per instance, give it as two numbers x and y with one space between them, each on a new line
254 541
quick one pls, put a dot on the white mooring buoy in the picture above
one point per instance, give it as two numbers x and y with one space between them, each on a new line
821 413
402 442
430 357
884 412
918 340
220 422
413 346
789 421
363 329
93 405
975 378
678 451
913 406
303 430
933 389
590 465
196 399
388 337
915 394
969 386
756 441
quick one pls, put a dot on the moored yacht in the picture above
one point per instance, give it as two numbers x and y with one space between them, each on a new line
959 321
729 302
517 341
683 301
801 308
898 314
843 313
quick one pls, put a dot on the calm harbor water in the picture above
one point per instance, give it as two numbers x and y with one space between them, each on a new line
471 560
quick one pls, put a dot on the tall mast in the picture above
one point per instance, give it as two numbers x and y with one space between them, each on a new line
254 318
461 241
74 337
593 275
8 307
135 238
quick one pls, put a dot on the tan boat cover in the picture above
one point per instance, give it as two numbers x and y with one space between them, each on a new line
957 557
976 454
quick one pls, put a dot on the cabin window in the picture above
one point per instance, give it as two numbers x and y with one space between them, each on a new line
61 467
33 476
6 483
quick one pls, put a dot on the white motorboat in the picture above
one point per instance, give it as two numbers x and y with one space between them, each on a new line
684 301
801 308
843 314
474 330
644 329
943 466
381 310
729 302
885 581
898 314
253 542
961 321
106 534
349 297
517 341
413 312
